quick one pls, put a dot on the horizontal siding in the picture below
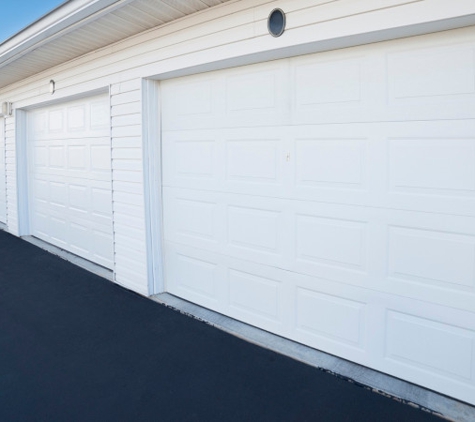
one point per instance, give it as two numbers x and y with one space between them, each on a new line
127 174
129 165
11 176
126 120
126 109
242 21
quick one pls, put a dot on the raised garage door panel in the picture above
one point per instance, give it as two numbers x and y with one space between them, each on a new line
3 187
330 199
70 177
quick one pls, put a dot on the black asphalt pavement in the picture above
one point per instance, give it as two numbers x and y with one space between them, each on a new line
76 347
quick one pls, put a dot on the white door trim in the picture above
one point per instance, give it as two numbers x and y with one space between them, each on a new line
22 172
152 167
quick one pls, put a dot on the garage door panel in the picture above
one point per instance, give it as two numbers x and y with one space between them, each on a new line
73 198
251 161
447 350
274 294
435 81
89 118
192 102
190 218
248 227
79 239
425 166
75 177
243 161
431 258
276 232
353 245
256 95
437 166
254 230
196 276
431 79
92 222
348 319
450 333
331 163
444 258
224 285
70 177
47 134
325 240
336 87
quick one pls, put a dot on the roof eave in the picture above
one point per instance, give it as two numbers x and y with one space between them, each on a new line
65 18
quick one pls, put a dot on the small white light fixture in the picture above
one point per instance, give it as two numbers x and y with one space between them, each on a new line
7 109
52 86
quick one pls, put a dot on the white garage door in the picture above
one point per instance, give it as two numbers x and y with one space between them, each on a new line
3 188
331 199
70 199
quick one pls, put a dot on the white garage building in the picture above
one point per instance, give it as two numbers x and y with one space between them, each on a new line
319 185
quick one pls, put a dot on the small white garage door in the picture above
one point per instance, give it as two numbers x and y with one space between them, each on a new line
330 199
70 193
3 187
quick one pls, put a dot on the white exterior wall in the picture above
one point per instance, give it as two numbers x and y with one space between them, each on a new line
11 175
127 185
228 35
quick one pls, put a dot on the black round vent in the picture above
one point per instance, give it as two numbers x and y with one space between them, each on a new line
276 23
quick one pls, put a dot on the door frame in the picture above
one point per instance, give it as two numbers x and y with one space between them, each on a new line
152 166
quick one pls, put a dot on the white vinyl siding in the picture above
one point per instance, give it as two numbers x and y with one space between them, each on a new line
11 175
128 199
330 199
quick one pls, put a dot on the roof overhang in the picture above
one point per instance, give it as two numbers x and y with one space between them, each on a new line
78 27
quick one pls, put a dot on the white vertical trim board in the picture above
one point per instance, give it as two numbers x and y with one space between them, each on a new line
22 173
153 183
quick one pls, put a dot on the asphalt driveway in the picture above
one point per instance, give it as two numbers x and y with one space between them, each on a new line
75 347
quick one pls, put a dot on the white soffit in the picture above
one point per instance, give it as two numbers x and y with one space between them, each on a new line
80 26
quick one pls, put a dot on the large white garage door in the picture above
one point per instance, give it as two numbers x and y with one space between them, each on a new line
331 199
3 187
70 199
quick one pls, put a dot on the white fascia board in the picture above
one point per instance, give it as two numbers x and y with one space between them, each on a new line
62 20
